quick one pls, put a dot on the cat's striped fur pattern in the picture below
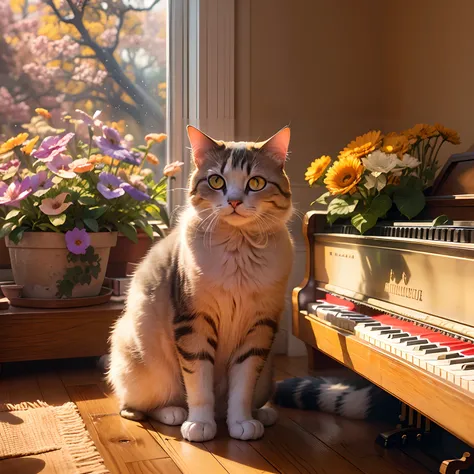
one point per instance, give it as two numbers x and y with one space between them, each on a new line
204 306
355 398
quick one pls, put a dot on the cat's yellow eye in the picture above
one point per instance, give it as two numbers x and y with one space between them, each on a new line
216 182
256 183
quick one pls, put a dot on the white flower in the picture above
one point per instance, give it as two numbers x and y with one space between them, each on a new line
380 162
409 161
375 180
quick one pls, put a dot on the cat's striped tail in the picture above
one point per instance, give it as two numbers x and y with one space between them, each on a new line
348 398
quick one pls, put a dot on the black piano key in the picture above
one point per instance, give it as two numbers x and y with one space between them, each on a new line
467 367
436 350
371 324
390 331
419 341
407 339
312 307
397 336
450 355
380 328
426 346
461 360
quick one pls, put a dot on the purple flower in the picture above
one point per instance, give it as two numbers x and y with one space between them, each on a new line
52 146
77 241
60 165
16 192
134 192
40 181
110 144
109 186
88 120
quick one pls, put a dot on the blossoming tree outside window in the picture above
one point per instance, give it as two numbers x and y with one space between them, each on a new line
375 173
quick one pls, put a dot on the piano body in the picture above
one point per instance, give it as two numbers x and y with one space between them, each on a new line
397 306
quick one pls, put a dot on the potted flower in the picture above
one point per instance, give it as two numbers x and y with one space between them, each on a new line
68 200
376 176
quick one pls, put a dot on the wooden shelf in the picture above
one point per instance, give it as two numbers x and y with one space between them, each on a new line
35 334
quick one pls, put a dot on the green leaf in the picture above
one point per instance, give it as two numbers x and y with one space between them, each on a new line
92 224
331 218
87 201
96 212
323 199
364 221
57 179
157 229
46 227
342 207
147 228
12 214
409 201
65 288
6 229
429 174
380 205
58 220
129 231
16 234
440 220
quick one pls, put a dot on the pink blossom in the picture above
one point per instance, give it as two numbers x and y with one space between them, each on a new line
16 192
60 165
172 169
55 206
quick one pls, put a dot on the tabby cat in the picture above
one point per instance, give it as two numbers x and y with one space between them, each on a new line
194 342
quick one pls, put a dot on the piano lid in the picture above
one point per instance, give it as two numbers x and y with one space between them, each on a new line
453 190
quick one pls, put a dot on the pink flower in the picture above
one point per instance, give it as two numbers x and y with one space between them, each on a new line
60 165
55 206
15 193
77 241
88 120
172 169
52 147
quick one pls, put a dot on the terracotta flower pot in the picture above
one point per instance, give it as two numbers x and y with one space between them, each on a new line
40 260
126 252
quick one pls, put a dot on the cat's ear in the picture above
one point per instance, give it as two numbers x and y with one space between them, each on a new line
278 145
201 144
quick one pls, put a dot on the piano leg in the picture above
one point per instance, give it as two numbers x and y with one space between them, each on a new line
453 466
318 361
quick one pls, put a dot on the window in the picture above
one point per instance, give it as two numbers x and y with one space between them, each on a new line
62 55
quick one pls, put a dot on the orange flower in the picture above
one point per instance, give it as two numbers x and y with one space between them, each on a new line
317 169
43 112
344 175
13 143
448 134
362 145
420 131
81 166
156 137
153 159
173 168
29 145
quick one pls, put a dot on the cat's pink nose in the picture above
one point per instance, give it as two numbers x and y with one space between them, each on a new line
234 204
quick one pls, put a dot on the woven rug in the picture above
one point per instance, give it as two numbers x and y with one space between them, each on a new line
33 428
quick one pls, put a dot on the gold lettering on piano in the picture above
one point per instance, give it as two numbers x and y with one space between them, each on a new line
402 289
342 254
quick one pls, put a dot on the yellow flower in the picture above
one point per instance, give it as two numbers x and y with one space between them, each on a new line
395 143
13 143
29 145
362 145
420 131
107 160
156 137
43 112
317 169
344 175
153 159
448 134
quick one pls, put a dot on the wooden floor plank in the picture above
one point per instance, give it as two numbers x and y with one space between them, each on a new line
153 466
19 388
52 388
237 457
191 458
293 450
118 440
355 441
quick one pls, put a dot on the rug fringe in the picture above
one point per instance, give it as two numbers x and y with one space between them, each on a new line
23 405
82 448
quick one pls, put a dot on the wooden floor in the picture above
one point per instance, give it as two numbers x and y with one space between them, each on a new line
301 442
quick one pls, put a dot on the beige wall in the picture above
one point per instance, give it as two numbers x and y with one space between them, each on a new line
335 69
429 66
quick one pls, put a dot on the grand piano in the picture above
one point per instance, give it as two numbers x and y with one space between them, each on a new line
396 306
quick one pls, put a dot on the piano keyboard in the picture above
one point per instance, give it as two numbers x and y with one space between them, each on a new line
445 356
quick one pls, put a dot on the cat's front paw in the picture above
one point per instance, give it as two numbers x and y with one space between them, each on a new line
245 430
198 430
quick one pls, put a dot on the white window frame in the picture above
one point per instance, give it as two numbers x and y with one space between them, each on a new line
200 79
